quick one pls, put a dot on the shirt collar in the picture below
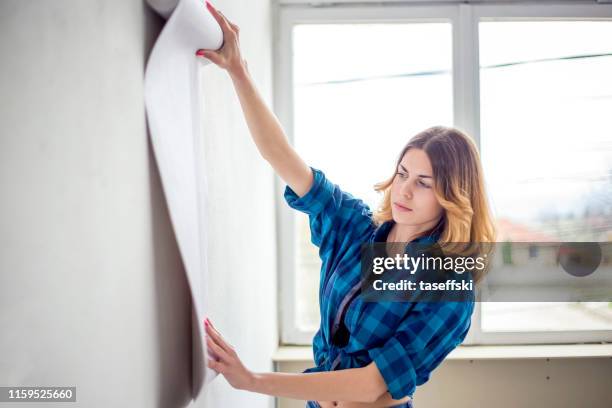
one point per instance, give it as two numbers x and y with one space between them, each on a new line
381 233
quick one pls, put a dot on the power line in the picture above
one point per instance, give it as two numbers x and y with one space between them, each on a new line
446 71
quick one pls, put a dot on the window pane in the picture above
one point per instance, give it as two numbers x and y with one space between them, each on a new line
546 143
360 92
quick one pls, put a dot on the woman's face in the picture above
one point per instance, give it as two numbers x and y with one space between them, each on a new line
412 188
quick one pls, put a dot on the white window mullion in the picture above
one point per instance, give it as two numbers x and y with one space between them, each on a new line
466 100
466 67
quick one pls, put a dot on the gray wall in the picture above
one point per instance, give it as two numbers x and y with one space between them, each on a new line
92 288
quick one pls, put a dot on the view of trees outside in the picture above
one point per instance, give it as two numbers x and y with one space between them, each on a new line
546 134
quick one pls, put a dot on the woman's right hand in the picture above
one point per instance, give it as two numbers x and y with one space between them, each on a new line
228 56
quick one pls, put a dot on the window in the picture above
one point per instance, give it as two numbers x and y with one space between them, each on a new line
353 85
545 88
362 109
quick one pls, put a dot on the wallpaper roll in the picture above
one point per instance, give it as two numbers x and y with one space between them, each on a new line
174 113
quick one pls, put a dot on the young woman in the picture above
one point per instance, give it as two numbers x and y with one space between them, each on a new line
368 354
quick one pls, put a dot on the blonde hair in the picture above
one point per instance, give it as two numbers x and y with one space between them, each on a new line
459 188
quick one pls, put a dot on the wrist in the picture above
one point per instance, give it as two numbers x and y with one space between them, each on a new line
254 382
240 72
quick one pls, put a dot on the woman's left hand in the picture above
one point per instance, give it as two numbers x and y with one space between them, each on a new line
225 361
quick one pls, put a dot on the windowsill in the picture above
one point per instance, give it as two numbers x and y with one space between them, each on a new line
466 352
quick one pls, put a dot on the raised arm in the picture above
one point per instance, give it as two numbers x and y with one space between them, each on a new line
269 136
264 127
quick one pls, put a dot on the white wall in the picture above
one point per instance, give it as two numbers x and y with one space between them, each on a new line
242 222
92 288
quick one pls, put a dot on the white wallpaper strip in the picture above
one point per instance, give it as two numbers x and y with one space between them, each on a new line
174 110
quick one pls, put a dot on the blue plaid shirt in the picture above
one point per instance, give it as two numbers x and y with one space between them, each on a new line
406 340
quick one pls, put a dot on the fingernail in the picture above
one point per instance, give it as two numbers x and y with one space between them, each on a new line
200 52
206 322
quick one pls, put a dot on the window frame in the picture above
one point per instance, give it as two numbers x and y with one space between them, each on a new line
466 115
